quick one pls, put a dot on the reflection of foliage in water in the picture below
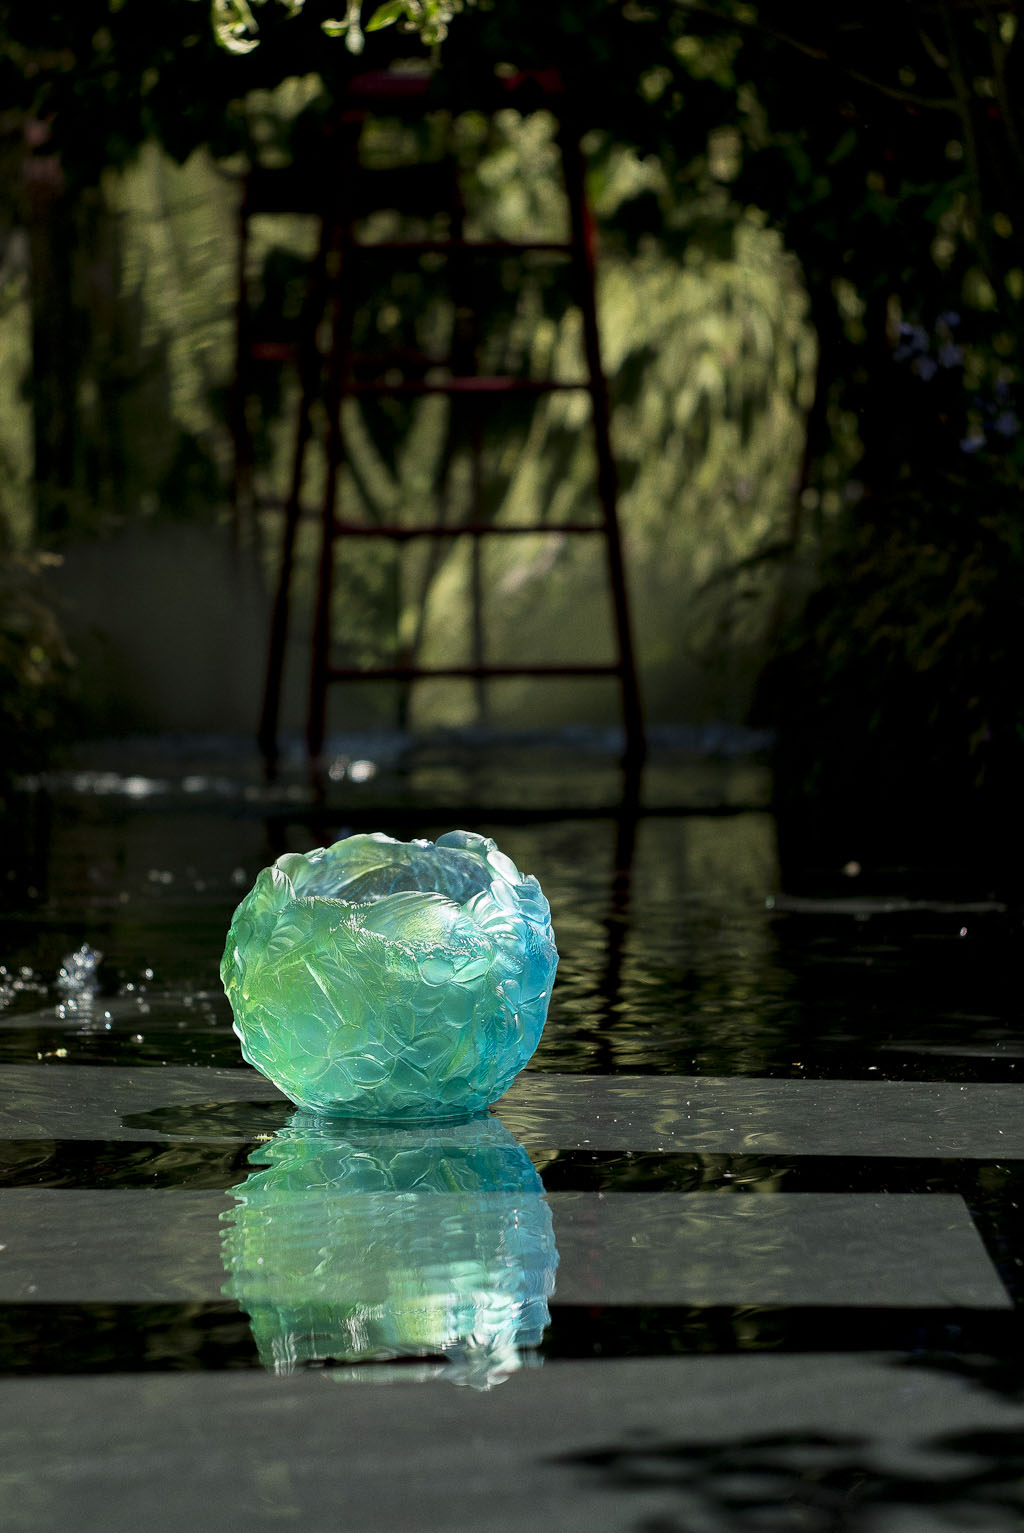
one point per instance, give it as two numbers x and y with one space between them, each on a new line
680 975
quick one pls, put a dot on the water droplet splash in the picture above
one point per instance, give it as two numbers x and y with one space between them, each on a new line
77 975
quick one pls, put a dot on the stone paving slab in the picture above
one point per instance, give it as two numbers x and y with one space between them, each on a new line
753 1116
895 1250
580 1447
676 1114
992 1049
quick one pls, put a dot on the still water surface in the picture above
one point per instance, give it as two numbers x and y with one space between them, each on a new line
685 954
691 958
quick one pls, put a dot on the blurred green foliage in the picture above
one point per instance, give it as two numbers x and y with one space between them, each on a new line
887 145
236 27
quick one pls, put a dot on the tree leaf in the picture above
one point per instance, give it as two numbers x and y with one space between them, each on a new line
234 26
385 14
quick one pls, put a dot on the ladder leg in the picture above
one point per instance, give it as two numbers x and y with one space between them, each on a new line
317 717
339 284
309 383
282 597
316 723
478 595
607 479
465 359
479 641
241 488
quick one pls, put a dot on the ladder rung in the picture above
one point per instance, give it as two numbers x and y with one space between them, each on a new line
475 247
274 351
471 385
473 672
401 531
458 529
381 88
286 351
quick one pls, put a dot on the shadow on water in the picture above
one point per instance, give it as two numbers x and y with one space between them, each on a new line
811 1482
235 1120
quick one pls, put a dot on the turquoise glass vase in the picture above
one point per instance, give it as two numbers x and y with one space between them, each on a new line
400 981
389 1243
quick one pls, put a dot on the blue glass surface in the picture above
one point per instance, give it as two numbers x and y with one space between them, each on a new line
390 1242
382 979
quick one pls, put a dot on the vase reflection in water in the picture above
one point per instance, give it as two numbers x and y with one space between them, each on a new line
375 1243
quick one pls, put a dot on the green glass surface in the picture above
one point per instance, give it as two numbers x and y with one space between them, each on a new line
382 979
393 1243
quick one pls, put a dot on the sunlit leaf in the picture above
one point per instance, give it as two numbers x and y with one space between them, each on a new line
350 27
234 25
385 15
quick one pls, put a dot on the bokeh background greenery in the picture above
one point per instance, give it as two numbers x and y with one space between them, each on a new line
810 292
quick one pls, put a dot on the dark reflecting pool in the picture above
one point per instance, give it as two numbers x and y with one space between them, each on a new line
681 952
773 1116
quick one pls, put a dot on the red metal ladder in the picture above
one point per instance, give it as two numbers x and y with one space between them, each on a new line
327 373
